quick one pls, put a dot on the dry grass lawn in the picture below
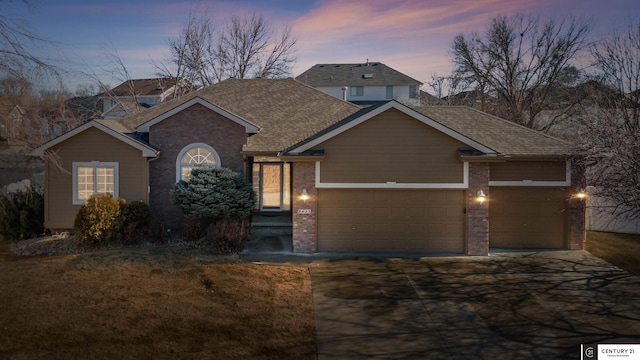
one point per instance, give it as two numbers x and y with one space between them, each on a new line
622 250
147 303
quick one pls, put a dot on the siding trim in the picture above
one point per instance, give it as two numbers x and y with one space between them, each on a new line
566 182
402 108
394 185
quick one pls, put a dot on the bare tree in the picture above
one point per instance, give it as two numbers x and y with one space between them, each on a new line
16 44
444 87
246 47
610 135
520 59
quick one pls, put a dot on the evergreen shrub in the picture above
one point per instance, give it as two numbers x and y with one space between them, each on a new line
214 193
22 214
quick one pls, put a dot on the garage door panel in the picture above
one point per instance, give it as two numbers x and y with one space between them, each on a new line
527 217
392 220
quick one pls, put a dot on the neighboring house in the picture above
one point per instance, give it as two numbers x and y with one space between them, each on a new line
387 177
16 134
363 83
12 125
133 96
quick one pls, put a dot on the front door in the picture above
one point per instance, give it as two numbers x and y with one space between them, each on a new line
271 187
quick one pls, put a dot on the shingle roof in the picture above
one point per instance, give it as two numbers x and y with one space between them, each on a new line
367 74
289 113
285 110
505 137
143 87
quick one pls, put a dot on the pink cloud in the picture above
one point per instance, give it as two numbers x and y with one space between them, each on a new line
412 36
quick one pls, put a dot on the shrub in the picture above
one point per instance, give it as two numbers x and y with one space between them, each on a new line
228 236
98 221
192 230
214 193
136 222
22 214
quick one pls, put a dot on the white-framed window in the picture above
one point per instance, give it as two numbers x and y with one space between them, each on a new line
413 92
389 92
356 91
95 177
197 154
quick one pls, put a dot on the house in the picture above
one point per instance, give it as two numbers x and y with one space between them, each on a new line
12 124
387 177
133 96
363 83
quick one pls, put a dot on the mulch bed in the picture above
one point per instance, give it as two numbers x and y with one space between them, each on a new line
47 245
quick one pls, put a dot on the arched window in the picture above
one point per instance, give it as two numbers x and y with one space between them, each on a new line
192 155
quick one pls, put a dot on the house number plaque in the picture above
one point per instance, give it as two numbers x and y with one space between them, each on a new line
304 211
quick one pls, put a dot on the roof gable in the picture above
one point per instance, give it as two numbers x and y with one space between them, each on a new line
284 110
367 74
249 127
369 113
109 127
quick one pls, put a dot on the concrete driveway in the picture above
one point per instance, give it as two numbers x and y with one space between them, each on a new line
516 305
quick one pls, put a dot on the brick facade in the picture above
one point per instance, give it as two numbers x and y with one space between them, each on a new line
304 224
478 213
197 124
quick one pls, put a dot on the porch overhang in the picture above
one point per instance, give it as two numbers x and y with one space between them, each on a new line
310 155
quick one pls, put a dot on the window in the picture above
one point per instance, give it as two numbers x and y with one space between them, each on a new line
90 178
195 155
413 92
389 92
356 91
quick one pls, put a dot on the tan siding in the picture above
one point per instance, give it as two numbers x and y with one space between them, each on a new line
391 147
92 145
528 170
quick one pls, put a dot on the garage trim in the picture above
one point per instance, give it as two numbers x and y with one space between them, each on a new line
566 182
394 185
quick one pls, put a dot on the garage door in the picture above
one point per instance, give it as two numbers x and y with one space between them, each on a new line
523 218
391 220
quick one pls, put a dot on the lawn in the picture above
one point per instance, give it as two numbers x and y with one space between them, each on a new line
622 250
152 303
169 303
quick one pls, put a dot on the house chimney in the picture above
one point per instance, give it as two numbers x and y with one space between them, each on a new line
344 93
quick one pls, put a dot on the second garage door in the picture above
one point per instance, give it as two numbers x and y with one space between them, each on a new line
527 217
391 220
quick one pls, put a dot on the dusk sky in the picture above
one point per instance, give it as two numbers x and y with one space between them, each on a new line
412 36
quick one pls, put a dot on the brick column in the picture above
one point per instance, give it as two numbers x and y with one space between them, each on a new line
577 232
304 212
477 213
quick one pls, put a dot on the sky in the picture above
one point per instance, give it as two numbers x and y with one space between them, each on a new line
411 36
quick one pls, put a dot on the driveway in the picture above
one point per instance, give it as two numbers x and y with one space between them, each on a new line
518 305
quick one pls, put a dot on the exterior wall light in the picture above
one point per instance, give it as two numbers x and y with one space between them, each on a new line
580 195
481 197
305 195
